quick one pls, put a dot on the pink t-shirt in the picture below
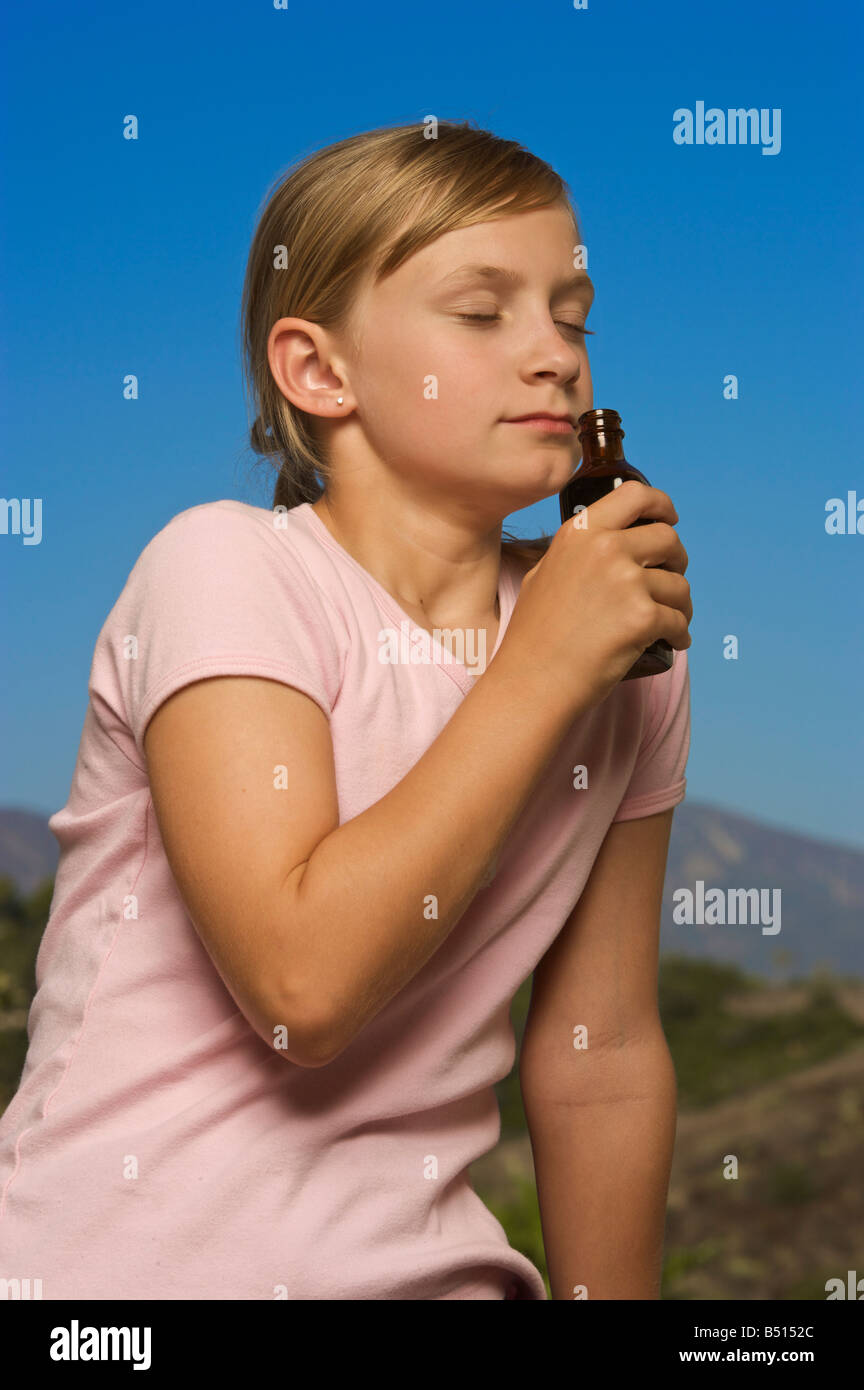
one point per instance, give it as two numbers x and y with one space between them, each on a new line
157 1147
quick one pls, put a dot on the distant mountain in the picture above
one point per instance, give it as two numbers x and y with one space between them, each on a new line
821 895
28 849
821 888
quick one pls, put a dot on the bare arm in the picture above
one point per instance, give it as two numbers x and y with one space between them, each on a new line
602 1169
365 886
313 925
601 1117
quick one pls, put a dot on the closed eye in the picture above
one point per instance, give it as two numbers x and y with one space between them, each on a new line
492 318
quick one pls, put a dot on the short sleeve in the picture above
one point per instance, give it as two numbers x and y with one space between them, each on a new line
658 781
216 592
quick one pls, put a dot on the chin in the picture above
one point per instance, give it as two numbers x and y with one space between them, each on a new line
549 476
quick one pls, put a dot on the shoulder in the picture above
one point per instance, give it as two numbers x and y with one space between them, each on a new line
211 519
221 589
228 540
223 561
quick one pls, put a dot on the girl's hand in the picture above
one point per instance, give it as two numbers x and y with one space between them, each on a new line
592 604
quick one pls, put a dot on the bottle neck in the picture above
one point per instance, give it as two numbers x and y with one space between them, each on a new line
601 437
602 448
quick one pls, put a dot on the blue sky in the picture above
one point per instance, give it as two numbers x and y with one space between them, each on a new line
707 259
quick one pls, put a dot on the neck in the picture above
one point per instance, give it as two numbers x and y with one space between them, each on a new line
430 561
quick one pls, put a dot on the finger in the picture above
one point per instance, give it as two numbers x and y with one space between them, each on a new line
672 625
670 589
625 504
656 544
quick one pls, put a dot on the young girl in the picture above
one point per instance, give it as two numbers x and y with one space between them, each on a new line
350 771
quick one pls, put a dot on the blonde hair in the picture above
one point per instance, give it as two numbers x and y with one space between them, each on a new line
365 204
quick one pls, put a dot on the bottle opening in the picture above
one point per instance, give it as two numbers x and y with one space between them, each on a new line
600 435
601 419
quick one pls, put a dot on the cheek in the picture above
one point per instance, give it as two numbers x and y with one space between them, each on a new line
425 388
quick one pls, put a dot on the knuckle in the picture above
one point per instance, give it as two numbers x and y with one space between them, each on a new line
605 541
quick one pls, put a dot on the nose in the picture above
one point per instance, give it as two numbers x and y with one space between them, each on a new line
554 359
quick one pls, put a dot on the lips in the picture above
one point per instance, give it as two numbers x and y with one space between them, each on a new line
542 415
545 424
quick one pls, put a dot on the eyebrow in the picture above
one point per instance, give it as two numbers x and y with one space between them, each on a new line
580 281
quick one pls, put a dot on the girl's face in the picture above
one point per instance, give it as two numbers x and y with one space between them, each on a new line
445 355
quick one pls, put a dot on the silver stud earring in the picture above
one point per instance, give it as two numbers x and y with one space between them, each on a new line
338 400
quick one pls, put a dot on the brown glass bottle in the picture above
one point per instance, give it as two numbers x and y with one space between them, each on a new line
603 463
